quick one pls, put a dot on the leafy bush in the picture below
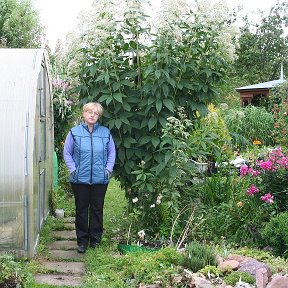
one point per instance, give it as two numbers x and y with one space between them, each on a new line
210 137
275 234
140 88
198 255
235 276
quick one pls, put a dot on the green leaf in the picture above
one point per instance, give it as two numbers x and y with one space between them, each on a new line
111 123
162 121
106 78
165 89
100 77
129 153
155 141
125 120
143 140
108 101
121 155
116 86
160 167
148 157
93 70
118 97
138 177
127 83
149 187
152 122
118 123
127 142
171 82
159 105
168 156
151 100
103 98
126 106
133 44
157 74
169 104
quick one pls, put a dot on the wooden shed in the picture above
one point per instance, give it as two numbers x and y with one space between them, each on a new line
251 94
26 148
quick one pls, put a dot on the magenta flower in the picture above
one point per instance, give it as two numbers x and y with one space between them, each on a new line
243 170
268 198
252 190
253 172
266 165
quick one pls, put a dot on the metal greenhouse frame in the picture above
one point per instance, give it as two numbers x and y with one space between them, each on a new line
26 148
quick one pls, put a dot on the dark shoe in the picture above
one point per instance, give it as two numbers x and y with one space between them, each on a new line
93 245
81 249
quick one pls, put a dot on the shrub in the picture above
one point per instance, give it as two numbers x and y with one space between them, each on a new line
198 255
275 234
211 137
235 276
139 96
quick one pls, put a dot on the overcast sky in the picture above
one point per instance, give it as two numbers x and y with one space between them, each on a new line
60 16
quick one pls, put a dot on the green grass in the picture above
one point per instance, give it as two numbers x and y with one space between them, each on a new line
106 268
115 209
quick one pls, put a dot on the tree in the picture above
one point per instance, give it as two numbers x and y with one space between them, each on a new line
19 25
263 47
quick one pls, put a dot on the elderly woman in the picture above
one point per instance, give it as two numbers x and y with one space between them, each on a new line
89 153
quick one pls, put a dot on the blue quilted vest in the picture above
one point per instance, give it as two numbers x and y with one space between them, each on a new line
90 154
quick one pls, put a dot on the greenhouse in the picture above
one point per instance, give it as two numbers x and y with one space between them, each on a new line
26 148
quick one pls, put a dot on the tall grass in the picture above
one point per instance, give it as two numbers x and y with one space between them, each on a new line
248 124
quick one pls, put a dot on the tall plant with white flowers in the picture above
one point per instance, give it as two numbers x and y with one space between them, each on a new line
141 75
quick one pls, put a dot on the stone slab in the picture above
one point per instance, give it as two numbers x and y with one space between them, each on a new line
74 268
65 234
66 254
69 219
69 226
63 245
59 280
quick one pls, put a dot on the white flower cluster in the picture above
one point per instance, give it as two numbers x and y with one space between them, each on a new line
141 234
158 200
204 12
135 200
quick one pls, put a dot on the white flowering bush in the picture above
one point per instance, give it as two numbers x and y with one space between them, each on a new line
141 75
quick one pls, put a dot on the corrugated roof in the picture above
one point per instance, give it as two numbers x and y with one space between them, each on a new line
264 85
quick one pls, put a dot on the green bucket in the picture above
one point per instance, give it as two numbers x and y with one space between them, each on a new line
55 171
126 248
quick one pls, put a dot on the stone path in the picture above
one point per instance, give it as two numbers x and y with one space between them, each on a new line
63 265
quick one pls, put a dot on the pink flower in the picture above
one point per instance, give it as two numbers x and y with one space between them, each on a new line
253 172
266 165
252 190
268 198
243 170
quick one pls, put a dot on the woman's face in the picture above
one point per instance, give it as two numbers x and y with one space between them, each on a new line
91 116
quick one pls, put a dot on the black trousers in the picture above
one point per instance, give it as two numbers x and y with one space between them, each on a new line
89 202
